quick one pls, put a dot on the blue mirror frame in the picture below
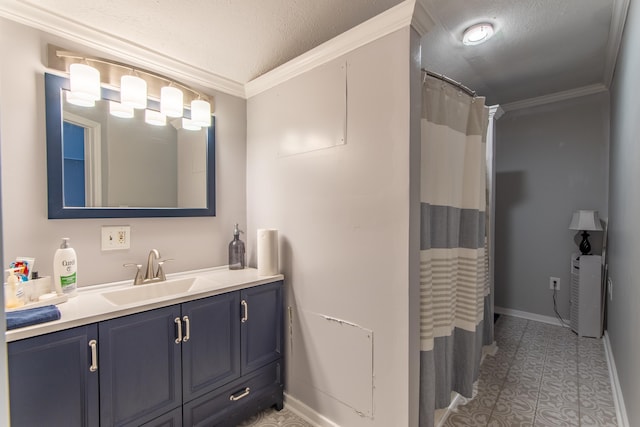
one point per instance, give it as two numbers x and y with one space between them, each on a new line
56 210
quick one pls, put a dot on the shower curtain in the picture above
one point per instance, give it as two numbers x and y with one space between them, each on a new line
456 316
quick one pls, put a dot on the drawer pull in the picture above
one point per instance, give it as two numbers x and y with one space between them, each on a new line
245 314
94 356
245 393
187 326
178 322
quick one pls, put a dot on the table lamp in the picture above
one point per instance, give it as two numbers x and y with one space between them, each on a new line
585 221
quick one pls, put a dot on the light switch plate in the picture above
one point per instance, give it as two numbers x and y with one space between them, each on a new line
116 237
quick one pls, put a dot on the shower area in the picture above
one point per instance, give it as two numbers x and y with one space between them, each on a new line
456 228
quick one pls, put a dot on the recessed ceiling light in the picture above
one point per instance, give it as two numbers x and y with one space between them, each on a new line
477 34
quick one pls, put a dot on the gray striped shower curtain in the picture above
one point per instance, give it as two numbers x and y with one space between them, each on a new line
456 317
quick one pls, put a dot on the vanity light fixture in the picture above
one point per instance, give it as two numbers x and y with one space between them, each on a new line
155 118
477 34
171 103
133 91
201 112
84 81
136 86
120 110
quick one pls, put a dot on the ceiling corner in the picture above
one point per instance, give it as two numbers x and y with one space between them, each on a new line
618 19
422 21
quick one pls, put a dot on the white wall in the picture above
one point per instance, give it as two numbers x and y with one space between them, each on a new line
343 215
550 161
624 209
193 242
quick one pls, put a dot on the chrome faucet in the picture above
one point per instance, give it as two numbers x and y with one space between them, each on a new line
151 275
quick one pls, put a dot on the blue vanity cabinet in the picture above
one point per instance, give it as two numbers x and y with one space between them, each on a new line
140 366
262 325
211 345
51 379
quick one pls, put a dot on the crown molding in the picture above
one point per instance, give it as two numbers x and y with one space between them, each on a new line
616 29
495 112
30 14
555 97
397 17
422 20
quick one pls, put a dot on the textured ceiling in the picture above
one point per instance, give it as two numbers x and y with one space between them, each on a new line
236 39
541 46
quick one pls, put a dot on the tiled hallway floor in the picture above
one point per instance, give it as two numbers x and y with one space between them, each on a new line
273 418
542 375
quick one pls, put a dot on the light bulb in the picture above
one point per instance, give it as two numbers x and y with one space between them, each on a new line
119 110
133 92
155 118
84 82
201 112
171 104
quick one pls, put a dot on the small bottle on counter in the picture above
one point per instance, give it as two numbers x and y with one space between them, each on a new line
236 251
65 265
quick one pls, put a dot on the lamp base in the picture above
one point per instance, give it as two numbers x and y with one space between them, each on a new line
585 246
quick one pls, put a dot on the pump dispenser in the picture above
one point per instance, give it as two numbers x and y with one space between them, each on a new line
236 251
65 265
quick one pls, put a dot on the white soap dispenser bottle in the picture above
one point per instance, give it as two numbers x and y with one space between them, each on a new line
65 266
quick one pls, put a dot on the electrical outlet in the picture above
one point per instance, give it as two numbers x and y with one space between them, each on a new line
116 237
554 283
610 288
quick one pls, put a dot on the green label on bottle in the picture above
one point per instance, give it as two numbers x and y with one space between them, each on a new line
68 280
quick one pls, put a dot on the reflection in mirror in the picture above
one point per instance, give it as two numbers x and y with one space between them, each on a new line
100 165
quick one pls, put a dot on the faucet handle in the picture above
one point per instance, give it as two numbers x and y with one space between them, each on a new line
138 279
160 273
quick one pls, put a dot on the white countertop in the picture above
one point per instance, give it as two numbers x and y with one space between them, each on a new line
89 306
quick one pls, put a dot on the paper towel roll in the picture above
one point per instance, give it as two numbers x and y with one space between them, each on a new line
267 252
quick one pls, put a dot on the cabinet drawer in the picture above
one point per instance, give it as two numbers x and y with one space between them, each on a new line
260 389
170 419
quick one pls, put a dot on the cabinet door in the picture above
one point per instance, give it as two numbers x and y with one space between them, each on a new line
50 382
211 354
140 367
261 325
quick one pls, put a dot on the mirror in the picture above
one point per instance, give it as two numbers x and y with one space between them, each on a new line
102 166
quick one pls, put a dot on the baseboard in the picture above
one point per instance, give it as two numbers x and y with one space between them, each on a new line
618 400
306 413
531 316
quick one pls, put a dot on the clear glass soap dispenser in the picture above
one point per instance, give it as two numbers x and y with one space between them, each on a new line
236 251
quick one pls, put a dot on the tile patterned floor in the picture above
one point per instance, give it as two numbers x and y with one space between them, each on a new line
542 375
273 418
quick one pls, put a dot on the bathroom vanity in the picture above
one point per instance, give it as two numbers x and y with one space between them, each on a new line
204 350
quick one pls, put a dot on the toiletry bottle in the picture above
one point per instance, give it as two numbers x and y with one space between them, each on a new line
65 265
236 251
12 299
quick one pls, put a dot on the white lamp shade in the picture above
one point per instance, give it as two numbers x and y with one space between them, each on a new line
84 81
201 112
155 118
585 220
133 92
79 101
190 125
119 110
171 103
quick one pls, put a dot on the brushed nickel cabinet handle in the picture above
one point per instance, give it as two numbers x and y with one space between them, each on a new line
187 326
245 393
178 322
245 315
94 355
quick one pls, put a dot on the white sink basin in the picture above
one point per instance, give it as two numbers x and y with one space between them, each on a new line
148 291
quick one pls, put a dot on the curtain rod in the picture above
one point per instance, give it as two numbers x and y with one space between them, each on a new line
444 78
